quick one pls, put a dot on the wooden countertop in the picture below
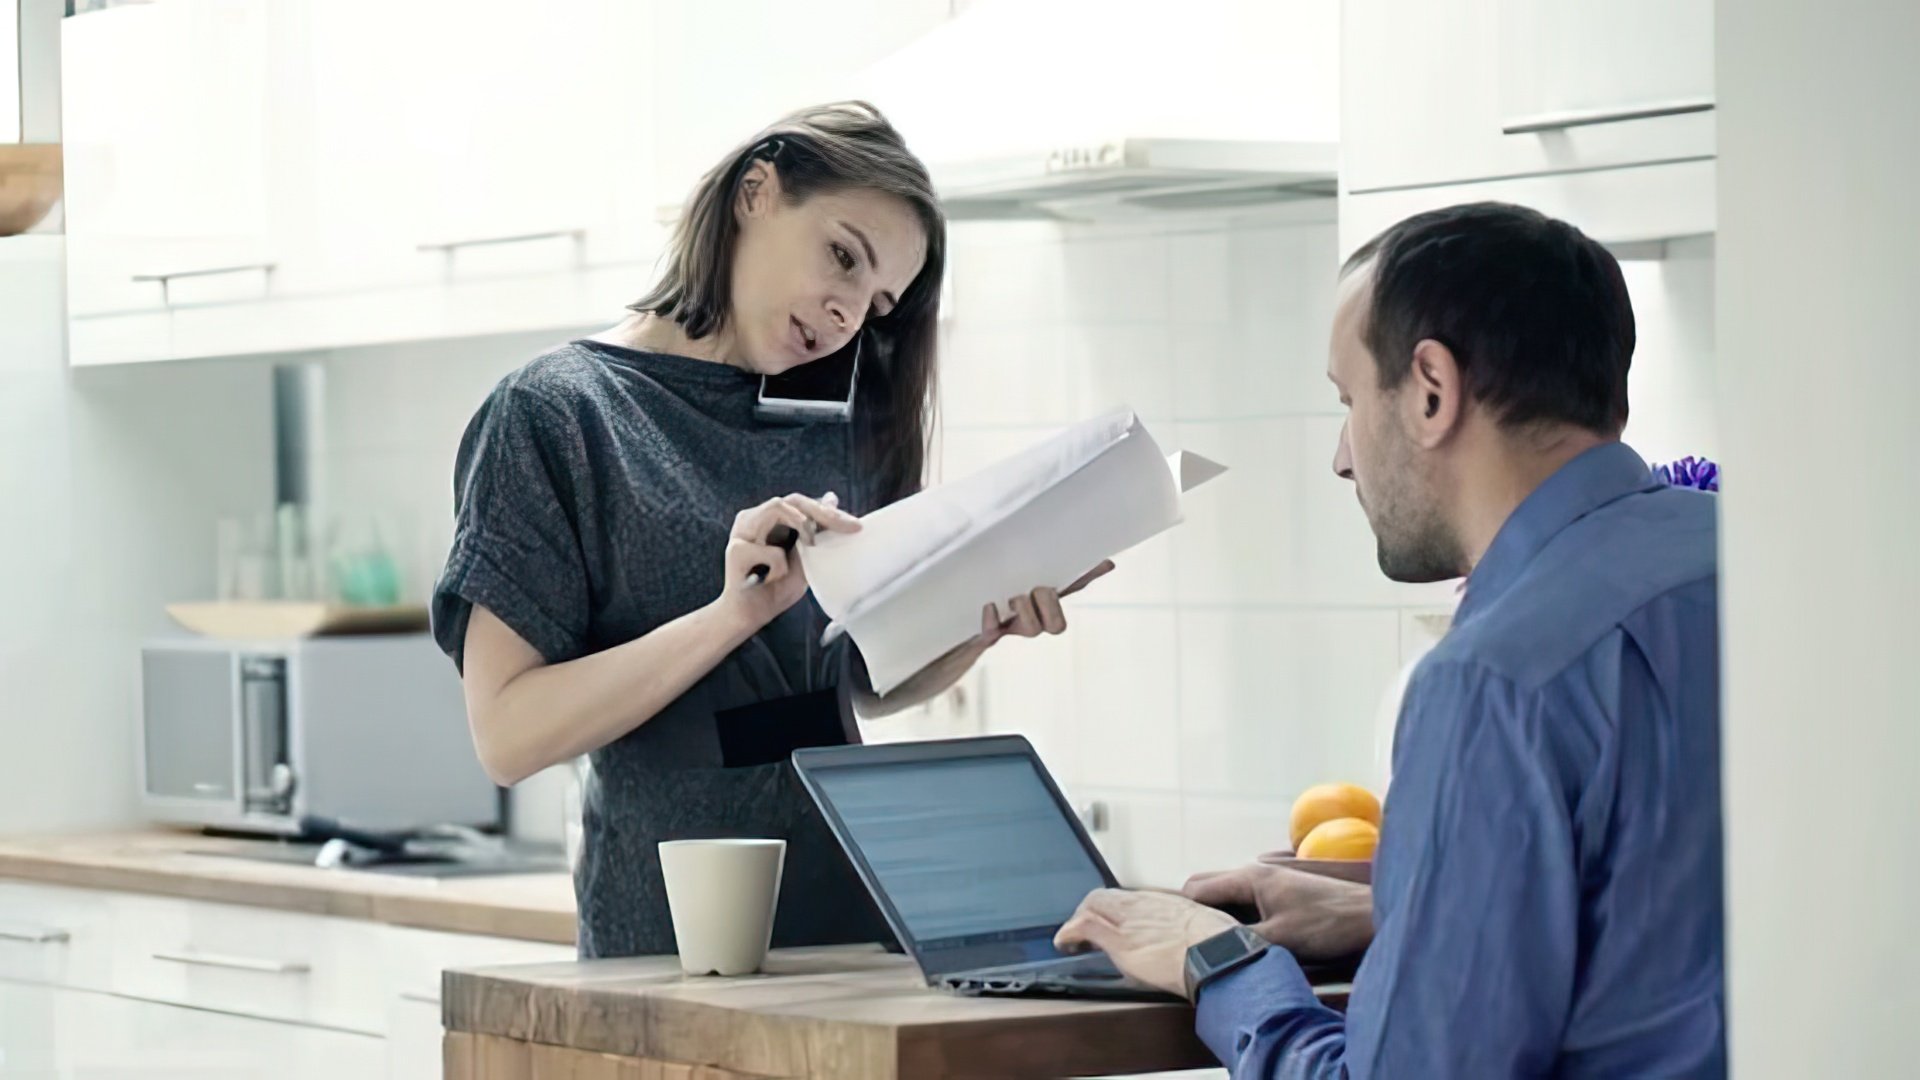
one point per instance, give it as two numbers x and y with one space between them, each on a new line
850 1012
533 907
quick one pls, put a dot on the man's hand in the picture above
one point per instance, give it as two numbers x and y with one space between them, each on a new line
1312 916
1147 934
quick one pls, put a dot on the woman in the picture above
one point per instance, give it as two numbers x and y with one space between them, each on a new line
616 503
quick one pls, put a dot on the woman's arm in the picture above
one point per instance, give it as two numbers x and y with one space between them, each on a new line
527 714
1034 614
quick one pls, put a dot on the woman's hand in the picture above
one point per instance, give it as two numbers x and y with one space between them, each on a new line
749 547
1036 613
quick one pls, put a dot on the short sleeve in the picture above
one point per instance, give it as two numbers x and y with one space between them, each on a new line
516 545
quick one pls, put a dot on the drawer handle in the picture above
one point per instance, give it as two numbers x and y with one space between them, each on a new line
421 996
1530 125
45 935
166 280
235 963
446 248
578 236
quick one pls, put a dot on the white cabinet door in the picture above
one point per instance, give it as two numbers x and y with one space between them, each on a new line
512 122
1447 91
28 1042
414 1038
724 71
54 935
276 965
1591 62
415 960
82 1035
166 125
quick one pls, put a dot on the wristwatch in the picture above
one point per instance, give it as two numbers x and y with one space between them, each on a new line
1220 954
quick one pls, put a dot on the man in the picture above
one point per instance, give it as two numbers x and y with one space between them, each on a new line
1547 891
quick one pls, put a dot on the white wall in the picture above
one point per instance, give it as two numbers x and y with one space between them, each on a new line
111 484
1820 582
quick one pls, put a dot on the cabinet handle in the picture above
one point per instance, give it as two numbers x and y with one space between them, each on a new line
1529 125
421 996
166 297
235 963
448 247
44 935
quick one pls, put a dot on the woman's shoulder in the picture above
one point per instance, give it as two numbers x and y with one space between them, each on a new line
562 377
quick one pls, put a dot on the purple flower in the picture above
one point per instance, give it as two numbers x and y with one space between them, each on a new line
1690 472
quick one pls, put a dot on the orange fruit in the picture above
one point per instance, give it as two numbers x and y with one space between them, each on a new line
1325 802
1341 838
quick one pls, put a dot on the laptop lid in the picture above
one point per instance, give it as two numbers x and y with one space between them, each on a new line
967 845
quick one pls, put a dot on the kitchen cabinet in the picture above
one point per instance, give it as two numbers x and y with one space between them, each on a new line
1637 205
166 115
249 178
777 56
1454 91
257 178
94 981
87 1035
415 959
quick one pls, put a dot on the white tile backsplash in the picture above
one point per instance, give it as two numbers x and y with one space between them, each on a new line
1272 702
1121 280
996 375
1119 365
1220 833
1142 838
1279 527
1126 664
1029 689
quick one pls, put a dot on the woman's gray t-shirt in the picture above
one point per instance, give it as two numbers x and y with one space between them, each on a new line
593 495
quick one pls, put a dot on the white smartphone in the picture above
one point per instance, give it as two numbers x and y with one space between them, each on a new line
819 391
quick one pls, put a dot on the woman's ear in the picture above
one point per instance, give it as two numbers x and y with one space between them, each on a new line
759 188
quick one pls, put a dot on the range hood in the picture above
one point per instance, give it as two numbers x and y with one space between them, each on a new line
1105 108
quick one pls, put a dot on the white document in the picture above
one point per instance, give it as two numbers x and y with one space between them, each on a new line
910 586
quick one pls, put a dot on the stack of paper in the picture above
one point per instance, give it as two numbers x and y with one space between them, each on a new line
911 585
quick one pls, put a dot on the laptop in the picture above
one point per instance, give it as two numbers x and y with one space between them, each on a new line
975 859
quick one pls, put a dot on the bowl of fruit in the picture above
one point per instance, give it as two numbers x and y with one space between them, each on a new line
1335 829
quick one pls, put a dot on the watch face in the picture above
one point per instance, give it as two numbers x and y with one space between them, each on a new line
1222 949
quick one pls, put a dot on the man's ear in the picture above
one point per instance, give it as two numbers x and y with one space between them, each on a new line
1434 396
759 187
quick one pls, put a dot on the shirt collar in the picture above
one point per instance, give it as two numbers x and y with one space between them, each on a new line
1599 476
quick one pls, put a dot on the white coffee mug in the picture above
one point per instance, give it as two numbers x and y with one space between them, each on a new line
722 894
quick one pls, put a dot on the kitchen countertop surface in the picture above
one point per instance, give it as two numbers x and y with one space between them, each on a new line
852 1012
532 906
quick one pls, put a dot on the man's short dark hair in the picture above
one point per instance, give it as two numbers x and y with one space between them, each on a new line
1536 313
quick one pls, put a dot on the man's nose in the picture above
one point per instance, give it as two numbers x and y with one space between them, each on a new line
1343 454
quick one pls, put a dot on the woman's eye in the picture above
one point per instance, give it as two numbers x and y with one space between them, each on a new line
842 256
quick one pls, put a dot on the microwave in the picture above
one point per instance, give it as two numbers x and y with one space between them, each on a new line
370 731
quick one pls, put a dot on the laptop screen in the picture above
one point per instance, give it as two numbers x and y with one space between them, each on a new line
970 851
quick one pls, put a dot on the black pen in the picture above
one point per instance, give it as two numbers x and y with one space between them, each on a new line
783 537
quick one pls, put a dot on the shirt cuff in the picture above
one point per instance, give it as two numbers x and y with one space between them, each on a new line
1232 1007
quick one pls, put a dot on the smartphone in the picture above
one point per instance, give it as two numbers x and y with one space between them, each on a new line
819 391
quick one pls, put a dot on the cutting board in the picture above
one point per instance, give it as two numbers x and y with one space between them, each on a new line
269 619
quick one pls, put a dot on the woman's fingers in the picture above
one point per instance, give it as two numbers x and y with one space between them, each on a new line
1053 619
745 555
824 513
754 525
1026 618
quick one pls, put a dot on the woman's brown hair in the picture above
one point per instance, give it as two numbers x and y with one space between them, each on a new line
827 148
